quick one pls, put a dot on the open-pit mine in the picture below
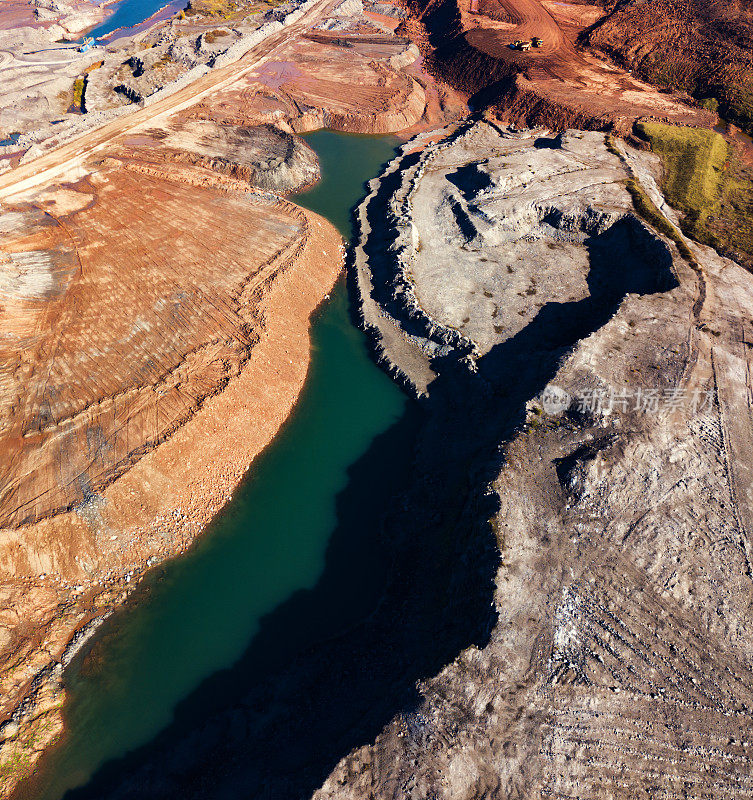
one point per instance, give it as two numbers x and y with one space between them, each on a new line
533 578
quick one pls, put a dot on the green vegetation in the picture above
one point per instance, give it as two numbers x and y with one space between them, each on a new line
706 182
648 211
79 85
667 73
611 146
735 95
694 161
211 8
723 87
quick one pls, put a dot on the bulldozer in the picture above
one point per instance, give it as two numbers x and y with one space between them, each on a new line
519 45
536 41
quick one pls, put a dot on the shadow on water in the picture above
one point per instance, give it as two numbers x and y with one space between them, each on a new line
274 726
306 691
331 665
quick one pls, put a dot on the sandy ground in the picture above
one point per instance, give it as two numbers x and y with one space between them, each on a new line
155 305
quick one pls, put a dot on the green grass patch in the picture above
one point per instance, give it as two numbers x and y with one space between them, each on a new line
612 146
648 211
78 93
694 161
704 179
732 227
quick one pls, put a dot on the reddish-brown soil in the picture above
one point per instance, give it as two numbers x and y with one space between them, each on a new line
341 81
558 85
20 13
156 508
113 335
700 46
145 364
154 311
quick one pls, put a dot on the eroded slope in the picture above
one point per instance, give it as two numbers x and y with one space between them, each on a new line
701 47
619 663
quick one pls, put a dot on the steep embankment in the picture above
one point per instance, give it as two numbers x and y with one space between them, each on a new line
703 48
605 397
557 85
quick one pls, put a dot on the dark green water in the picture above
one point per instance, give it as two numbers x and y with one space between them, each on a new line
347 162
198 614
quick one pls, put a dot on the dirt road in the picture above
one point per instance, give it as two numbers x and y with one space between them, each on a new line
528 19
558 85
556 58
67 161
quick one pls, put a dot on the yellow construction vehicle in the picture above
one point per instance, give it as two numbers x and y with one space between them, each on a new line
536 41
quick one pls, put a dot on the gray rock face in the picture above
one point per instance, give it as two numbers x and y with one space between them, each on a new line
610 411
270 159
480 245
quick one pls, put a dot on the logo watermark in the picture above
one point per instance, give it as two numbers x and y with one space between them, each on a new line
555 400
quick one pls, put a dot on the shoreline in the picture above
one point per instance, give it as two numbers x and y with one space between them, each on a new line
131 30
156 510
178 498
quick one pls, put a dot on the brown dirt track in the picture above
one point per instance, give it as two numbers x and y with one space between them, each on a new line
558 85
155 312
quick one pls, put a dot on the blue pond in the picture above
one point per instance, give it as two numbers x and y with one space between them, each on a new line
131 12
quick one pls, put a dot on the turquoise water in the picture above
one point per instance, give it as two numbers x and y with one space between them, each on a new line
199 613
347 161
131 12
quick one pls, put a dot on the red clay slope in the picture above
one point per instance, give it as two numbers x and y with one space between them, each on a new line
558 85
702 46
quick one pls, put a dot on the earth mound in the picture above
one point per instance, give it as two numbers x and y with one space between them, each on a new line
701 47
558 84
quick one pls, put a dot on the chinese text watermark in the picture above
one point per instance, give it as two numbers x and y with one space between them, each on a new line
555 400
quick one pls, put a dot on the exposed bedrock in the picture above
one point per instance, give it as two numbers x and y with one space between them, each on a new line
532 241
619 665
566 609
